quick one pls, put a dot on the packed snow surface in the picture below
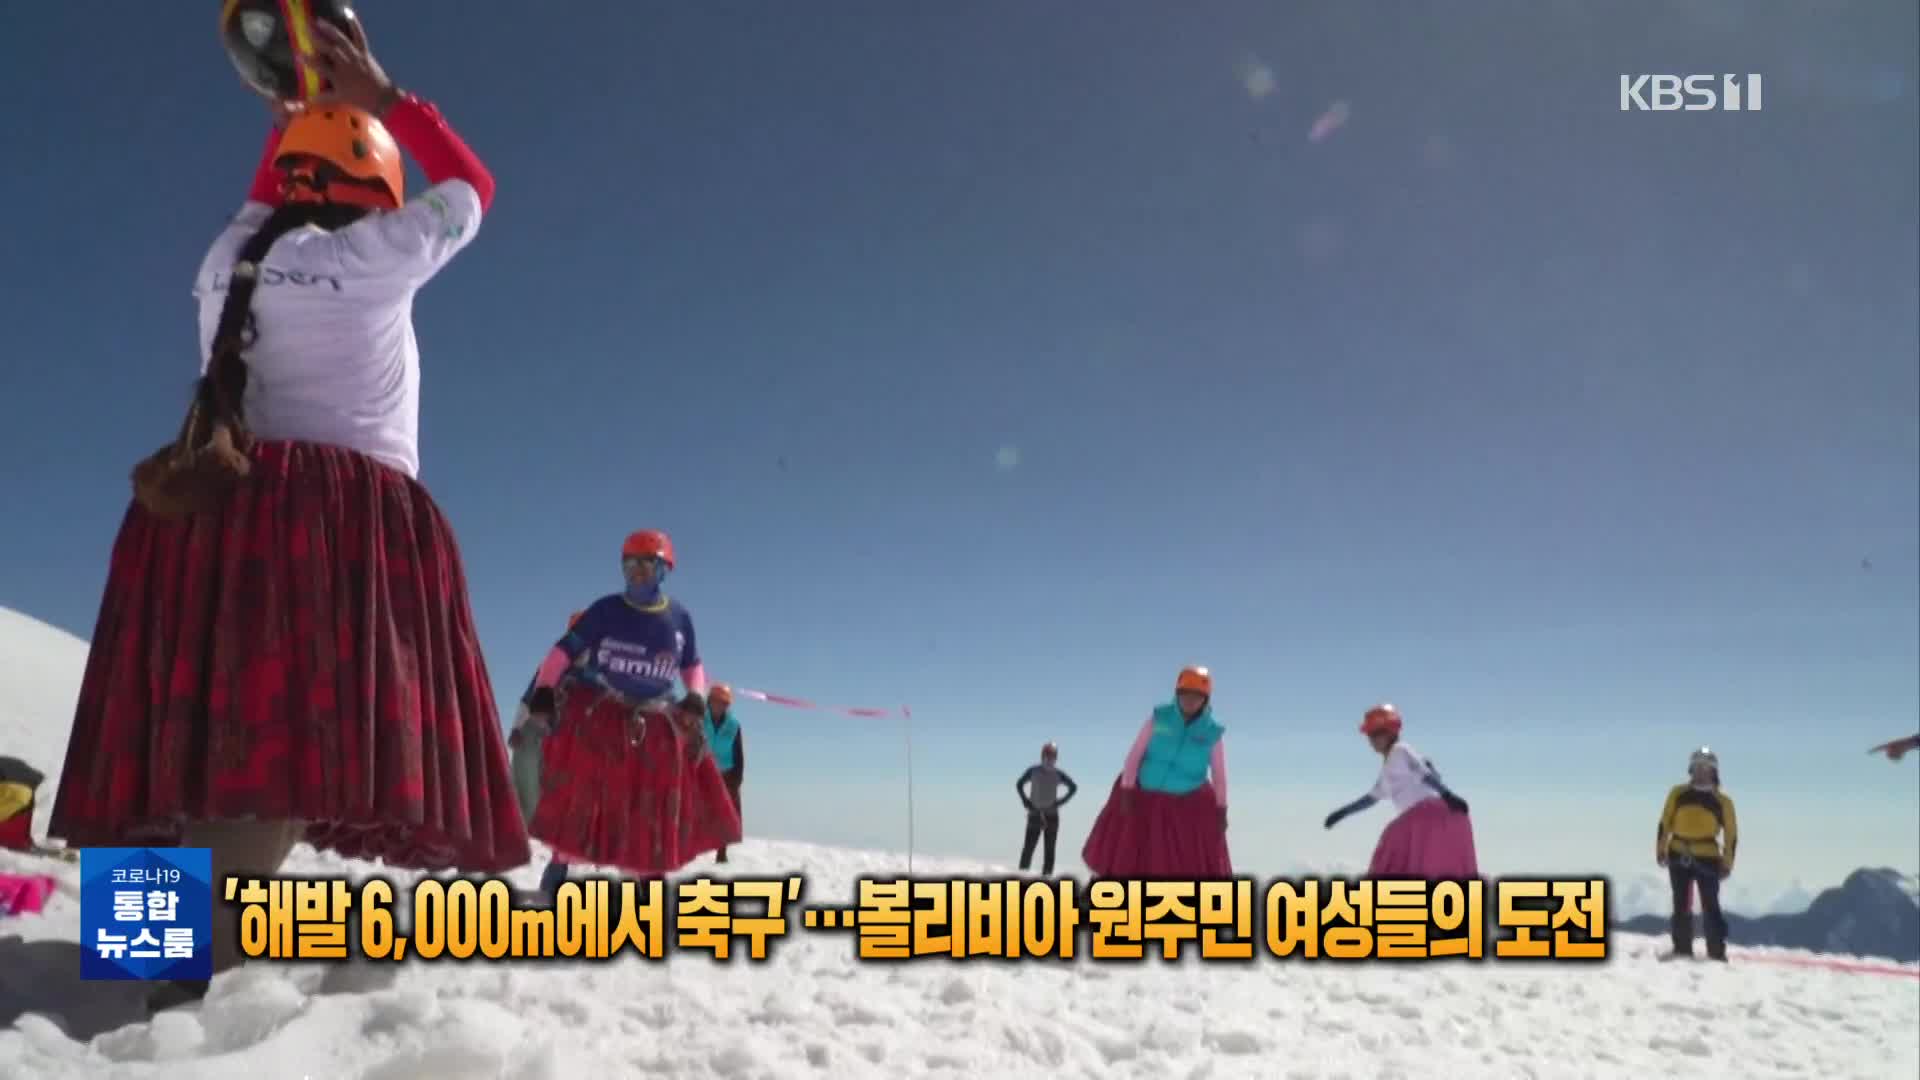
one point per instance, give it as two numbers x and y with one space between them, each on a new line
814 1009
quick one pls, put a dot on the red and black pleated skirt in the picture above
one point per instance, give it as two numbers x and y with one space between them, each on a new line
629 785
307 652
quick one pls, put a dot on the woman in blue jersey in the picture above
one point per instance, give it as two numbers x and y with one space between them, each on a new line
1167 814
626 778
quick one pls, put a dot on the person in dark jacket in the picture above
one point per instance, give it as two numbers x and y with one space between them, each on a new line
729 746
1039 791
1696 815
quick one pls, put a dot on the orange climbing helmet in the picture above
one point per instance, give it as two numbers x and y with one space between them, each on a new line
1381 719
648 544
339 154
1196 679
573 620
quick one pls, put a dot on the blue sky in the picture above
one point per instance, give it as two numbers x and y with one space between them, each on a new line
1586 436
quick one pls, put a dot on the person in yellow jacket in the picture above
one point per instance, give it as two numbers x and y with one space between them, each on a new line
1698 813
18 782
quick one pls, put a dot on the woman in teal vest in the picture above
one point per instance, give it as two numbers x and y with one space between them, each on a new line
728 745
1167 814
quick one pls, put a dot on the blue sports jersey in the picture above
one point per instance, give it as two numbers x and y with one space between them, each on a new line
638 651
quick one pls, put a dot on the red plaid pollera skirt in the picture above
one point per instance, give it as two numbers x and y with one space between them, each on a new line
306 653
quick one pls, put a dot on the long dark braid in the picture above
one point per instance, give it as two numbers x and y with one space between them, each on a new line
188 474
224 386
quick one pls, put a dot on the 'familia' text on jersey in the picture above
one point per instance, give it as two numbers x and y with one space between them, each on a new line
637 650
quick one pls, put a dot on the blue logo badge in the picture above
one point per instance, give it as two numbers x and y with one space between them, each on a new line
146 913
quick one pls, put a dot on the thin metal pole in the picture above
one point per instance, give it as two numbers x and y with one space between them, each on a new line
908 728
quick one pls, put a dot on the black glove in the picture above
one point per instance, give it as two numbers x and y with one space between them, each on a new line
540 702
1454 802
1334 819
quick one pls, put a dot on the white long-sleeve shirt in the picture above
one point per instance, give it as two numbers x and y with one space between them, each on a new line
335 359
1403 779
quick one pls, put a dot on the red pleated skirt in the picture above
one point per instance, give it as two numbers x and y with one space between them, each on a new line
1429 842
305 653
1154 836
629 786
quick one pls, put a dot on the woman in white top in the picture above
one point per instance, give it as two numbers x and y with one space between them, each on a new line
1431 836
285 649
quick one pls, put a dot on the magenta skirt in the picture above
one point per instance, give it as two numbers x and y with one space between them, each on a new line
1154 836
1429 842
25 894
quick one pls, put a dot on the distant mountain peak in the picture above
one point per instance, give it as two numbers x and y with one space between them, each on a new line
1874 912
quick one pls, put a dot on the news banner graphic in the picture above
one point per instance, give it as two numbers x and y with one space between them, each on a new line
146 913
897 919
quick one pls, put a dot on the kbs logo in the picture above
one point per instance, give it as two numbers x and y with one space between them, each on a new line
1693 93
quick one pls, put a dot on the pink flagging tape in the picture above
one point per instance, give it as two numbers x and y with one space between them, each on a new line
802 703
1854 967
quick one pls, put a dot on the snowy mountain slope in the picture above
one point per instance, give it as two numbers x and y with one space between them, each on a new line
813 1010
40 671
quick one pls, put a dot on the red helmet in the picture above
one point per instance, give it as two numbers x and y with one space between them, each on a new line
648 544
1197 679
1382 718
1050 750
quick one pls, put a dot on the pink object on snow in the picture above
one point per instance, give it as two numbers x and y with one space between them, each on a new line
25 894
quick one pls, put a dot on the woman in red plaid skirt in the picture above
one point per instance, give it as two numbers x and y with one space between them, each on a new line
1166 816
285 648
627 779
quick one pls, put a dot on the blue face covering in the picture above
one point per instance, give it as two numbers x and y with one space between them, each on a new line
646 592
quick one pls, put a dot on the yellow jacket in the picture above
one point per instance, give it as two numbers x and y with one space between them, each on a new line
1692 820
14 798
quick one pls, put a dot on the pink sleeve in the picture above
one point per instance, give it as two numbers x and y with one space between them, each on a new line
425 134
695 677
551 667
1130 771
1220 771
